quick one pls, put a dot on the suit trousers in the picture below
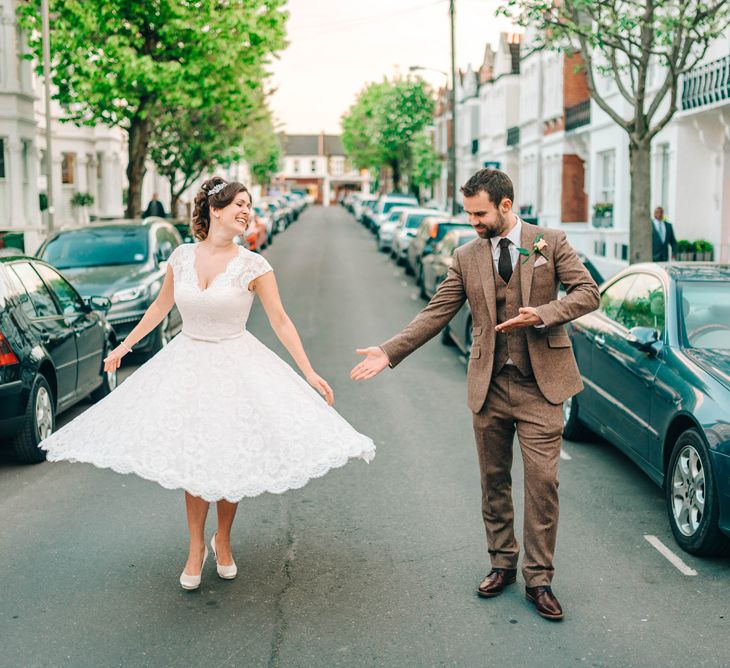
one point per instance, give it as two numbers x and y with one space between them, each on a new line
515 402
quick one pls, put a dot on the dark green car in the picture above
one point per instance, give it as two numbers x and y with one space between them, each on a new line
124 261
655 362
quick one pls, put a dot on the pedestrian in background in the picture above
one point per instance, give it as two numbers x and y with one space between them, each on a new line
521 370
662 237
154 208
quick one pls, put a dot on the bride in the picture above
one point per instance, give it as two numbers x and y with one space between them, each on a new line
215 412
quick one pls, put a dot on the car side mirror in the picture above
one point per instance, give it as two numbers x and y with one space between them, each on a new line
645 339
99 303
164 251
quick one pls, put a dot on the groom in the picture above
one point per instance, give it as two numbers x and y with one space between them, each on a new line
521 369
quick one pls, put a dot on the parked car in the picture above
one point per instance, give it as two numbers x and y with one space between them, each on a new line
436 265
655 359
359 204
52 347
124 261
408 228
278 215
387 230
368 211
263 214
429 233
385 204
257 235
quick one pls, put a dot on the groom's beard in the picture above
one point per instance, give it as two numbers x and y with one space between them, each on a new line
496 229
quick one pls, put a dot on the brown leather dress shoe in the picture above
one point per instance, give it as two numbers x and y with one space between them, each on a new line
545 602
495 582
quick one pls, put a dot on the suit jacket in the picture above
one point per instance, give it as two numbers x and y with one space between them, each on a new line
659 249
471 277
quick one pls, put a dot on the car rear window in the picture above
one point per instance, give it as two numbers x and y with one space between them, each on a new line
414 220
443 228
100 247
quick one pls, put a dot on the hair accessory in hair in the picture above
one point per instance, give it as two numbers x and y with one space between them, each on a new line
217 188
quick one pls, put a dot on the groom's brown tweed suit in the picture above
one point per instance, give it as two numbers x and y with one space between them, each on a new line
526 394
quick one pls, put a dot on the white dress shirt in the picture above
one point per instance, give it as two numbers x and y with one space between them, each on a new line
514 237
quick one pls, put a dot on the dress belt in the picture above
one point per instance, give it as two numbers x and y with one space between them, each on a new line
214 339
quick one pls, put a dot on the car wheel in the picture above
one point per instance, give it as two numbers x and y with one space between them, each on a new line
162 337
573 428
446 337
39 423
691 495
108 381
422 283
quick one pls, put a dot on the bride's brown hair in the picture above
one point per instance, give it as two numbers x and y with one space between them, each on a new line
221 198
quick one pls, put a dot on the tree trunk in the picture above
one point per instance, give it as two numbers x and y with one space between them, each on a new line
395 166
139 137
640 239
174 196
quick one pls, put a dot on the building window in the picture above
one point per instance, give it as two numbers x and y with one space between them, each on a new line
99 165
607 176
337 165
68 168
295 166
313 166
664 176
2 158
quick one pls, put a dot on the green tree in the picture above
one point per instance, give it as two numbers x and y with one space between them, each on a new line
262 149
624 40
382 126
425 161
127 63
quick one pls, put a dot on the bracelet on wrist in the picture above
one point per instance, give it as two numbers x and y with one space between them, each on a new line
125 346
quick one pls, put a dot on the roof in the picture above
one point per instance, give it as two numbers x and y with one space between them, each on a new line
319 144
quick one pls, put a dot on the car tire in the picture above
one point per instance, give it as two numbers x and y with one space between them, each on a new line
162 337
39 423
573 428
108 381
446 337
422 284
692 499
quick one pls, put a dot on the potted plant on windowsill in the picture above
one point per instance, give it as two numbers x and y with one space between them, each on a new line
685 250
703 250
603 214
82 200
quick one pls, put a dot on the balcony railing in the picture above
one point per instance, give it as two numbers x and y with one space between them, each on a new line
707 84
513 136
578 115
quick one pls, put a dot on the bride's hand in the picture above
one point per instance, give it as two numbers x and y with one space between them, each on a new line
320 384
114 359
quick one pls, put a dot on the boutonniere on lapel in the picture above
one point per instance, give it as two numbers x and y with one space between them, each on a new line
538 247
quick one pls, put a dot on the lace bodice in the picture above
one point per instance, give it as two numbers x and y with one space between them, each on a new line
221 310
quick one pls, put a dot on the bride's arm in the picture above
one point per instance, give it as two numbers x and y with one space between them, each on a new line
153 316
267 290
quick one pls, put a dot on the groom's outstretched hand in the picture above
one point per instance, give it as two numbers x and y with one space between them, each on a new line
375 361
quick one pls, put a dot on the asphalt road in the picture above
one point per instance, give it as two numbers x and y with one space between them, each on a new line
372 565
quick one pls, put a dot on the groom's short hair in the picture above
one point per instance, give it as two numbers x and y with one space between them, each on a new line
491 181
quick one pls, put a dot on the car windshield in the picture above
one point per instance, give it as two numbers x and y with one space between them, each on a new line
705 314
95 248
443 228
387 206
414 220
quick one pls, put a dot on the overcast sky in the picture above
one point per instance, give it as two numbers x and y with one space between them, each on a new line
338 46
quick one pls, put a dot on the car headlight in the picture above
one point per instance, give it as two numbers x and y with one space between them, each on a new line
128 295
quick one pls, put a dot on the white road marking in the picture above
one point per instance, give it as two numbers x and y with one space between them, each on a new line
670 556
564 455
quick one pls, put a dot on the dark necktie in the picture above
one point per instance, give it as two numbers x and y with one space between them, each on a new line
505 261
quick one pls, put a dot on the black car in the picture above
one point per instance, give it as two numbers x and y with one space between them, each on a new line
655 361
125 261
52 347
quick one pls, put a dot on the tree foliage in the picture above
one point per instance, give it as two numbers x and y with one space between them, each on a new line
385 123
128 63
627 41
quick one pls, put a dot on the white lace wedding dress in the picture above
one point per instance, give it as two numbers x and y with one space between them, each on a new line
215 412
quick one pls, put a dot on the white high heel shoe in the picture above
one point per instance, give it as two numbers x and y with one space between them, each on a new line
191 582
225 572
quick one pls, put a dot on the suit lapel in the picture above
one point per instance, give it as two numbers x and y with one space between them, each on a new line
485 261
527 239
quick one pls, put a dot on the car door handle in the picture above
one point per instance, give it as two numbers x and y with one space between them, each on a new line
45 336
599 340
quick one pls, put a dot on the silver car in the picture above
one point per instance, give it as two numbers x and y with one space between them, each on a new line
408 225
